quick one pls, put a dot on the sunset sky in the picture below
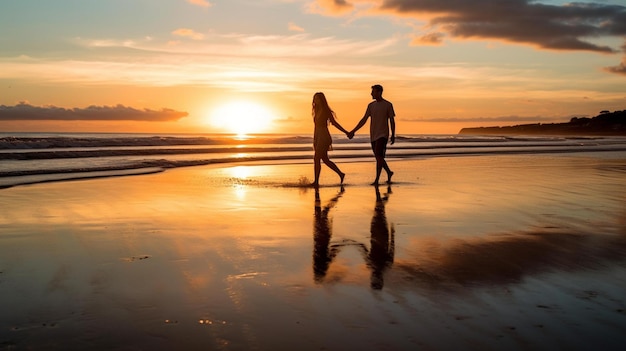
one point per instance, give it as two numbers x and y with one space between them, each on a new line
199 66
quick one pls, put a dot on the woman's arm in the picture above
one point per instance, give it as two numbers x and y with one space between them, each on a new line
338 126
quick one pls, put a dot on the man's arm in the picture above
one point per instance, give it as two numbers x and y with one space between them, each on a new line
358 126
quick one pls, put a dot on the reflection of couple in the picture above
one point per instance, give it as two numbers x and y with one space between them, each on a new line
382 119
380 254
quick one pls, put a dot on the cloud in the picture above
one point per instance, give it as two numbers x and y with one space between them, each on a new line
26 112
295 28
533 119
229 61
331 7
202 3
190 33
621 68
570 26
435 38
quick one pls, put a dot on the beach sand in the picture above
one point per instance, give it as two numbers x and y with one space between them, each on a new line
520 252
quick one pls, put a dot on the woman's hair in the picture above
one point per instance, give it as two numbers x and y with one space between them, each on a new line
320 105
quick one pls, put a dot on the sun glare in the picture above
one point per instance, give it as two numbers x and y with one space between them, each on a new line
242 117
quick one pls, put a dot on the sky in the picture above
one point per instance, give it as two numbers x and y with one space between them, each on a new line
247 66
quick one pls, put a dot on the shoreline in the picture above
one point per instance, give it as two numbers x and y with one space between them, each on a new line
33 178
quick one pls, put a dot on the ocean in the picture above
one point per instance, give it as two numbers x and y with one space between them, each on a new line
28 158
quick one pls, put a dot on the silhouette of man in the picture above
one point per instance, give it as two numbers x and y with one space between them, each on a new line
382 119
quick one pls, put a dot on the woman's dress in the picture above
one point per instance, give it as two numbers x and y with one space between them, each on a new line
322 142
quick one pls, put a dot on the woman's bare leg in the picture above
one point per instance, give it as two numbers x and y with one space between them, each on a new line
333 166
317 167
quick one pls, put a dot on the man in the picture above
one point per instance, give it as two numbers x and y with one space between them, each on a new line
382 117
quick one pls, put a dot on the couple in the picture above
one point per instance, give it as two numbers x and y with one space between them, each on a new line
382 118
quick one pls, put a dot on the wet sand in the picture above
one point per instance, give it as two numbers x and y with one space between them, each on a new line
475 253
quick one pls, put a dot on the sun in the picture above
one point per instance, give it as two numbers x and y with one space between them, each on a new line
242 117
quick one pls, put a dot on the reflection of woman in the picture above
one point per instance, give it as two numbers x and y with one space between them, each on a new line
322 232
322 142
381 240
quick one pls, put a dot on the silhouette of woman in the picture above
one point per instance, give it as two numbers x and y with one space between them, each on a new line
322 141
323 254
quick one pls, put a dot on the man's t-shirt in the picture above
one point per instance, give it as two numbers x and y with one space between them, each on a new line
380 113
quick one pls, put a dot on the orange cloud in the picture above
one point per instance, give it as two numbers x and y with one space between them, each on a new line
203 3
189 33
532 119
331 7
295 28
435 38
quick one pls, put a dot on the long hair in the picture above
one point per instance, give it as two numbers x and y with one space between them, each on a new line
320 106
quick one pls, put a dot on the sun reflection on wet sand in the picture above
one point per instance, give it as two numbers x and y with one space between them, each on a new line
456 252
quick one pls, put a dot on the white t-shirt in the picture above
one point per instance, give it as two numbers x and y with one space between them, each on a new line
380 113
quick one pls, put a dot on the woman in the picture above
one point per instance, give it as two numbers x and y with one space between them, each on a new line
322 142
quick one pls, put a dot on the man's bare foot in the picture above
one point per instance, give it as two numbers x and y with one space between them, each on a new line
315 184
375 183
342 175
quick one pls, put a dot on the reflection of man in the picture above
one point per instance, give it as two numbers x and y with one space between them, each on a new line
322 232
382 119
382 243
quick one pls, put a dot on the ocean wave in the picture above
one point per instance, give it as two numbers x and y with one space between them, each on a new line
60 156
33 141
46 154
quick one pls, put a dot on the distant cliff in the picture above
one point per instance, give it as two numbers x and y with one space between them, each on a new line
606 123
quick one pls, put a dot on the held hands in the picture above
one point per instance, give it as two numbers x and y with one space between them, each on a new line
350 135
